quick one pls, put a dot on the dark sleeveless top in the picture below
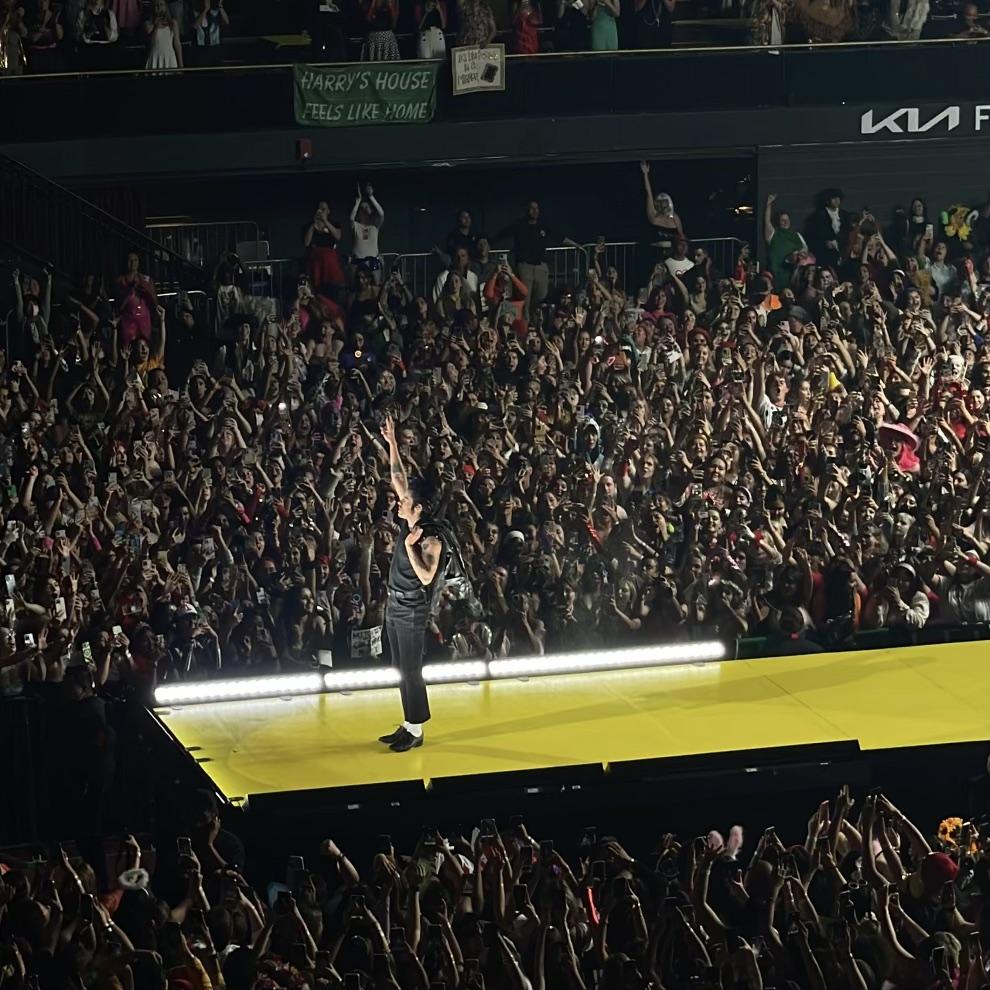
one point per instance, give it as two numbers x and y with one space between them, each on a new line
323 239
97 25
402 579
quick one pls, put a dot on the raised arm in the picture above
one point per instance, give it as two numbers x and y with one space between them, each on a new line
160 349
375 205
18 297
400 483
644 167
46 296
919 844
768 228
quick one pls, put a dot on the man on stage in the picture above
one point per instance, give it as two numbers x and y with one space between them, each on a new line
414 566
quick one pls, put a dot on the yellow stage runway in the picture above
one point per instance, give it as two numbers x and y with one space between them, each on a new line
881 699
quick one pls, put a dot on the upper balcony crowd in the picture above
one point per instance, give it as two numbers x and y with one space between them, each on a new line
41 36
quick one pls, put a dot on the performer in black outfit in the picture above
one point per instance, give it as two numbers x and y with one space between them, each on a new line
414 566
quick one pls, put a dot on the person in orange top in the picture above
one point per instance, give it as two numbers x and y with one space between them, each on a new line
504 290
762 297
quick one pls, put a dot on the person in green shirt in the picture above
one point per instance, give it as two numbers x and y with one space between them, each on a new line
785 245
603 15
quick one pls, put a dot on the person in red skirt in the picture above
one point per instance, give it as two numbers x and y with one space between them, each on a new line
322 257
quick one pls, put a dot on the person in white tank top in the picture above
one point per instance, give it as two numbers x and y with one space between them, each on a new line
367 217
164 47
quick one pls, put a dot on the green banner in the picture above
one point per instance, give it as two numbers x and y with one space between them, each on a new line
379 93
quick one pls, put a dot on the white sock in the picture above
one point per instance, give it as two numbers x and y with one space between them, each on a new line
413 728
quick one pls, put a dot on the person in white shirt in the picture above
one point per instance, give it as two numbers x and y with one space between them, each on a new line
679 263
367 218
899 603
461 264
964 589
770 394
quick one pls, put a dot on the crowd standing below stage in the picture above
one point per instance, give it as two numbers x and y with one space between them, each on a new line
793 451
864 900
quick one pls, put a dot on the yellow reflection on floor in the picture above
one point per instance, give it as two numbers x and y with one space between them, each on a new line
883 699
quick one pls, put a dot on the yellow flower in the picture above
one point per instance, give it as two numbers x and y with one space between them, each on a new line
948 830
963 232
950 231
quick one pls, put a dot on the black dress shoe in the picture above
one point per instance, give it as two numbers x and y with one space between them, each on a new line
392 736
406 741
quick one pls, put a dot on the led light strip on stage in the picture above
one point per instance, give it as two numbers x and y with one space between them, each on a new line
454 672
247 687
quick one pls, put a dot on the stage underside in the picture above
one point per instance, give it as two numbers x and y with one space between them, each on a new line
883 699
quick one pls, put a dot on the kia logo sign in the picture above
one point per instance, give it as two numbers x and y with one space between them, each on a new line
908 120
918 120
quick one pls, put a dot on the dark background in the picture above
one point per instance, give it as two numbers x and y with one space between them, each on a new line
880 176
714 197
579 201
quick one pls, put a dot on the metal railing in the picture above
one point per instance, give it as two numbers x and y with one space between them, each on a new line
202 306
567 266
250 51
46 220
202 242
722 250
275 278
621 255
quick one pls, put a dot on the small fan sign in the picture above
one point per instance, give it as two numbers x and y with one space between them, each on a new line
478 69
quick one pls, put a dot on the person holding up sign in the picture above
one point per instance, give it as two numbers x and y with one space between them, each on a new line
415 563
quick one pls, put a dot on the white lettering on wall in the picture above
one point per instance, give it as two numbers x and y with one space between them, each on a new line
907 120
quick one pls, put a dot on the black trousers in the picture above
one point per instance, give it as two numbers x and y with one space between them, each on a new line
405 628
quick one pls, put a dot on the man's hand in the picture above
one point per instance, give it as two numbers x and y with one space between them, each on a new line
414 537
388 430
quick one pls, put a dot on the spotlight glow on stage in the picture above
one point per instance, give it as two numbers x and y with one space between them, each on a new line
357 680
572 663
455 672
247 687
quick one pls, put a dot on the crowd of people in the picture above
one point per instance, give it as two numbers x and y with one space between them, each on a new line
865 899
39 36
793 451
